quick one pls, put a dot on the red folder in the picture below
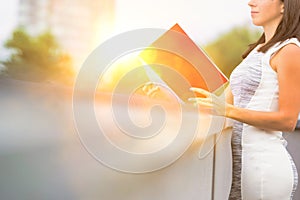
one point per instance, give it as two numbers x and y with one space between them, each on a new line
181 64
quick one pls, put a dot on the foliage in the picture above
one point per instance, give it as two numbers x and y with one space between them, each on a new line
37 58
227 50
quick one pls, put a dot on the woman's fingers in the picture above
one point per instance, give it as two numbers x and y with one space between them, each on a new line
200 91
207 102
210 101
150 89
197 99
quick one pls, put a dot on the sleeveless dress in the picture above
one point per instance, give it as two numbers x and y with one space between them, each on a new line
262 167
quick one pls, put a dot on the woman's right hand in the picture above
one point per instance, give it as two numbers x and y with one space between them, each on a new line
215 104
151 89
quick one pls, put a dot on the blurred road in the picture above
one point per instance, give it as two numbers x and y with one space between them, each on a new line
41 156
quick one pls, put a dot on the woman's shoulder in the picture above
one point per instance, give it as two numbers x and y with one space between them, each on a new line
291 41
290 47
291 44
288 54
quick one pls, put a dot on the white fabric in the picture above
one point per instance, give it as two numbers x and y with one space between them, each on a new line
267 170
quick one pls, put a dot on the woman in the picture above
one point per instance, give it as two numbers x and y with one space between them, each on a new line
264 100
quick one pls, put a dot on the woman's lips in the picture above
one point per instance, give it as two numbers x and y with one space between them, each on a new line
253 13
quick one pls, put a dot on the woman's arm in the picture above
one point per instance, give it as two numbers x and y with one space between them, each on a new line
228 95
287 64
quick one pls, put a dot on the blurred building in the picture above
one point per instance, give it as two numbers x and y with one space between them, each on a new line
79 25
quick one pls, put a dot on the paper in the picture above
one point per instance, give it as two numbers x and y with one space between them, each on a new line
173 60
192 68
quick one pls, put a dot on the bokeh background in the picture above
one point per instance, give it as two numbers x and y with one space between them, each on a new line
43 46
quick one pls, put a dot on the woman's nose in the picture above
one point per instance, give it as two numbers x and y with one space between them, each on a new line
252 3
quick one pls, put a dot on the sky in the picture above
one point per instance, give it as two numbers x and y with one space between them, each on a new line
202 20
8 20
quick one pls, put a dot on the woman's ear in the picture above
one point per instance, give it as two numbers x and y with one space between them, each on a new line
282 8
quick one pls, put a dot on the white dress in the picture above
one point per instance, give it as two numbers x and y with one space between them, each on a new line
262 167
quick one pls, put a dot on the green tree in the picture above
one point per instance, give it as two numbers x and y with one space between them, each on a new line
37 58
226 51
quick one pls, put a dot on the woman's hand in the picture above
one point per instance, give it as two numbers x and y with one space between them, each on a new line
216 105
151 89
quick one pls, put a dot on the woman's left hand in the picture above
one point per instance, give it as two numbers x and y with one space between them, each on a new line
216 105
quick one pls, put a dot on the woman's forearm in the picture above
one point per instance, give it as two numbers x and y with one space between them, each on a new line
264 120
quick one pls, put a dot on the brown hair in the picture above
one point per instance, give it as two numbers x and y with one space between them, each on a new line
289 27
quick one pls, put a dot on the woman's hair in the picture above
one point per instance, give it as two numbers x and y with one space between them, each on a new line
289 27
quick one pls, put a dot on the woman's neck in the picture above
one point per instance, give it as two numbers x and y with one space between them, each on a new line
270 31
